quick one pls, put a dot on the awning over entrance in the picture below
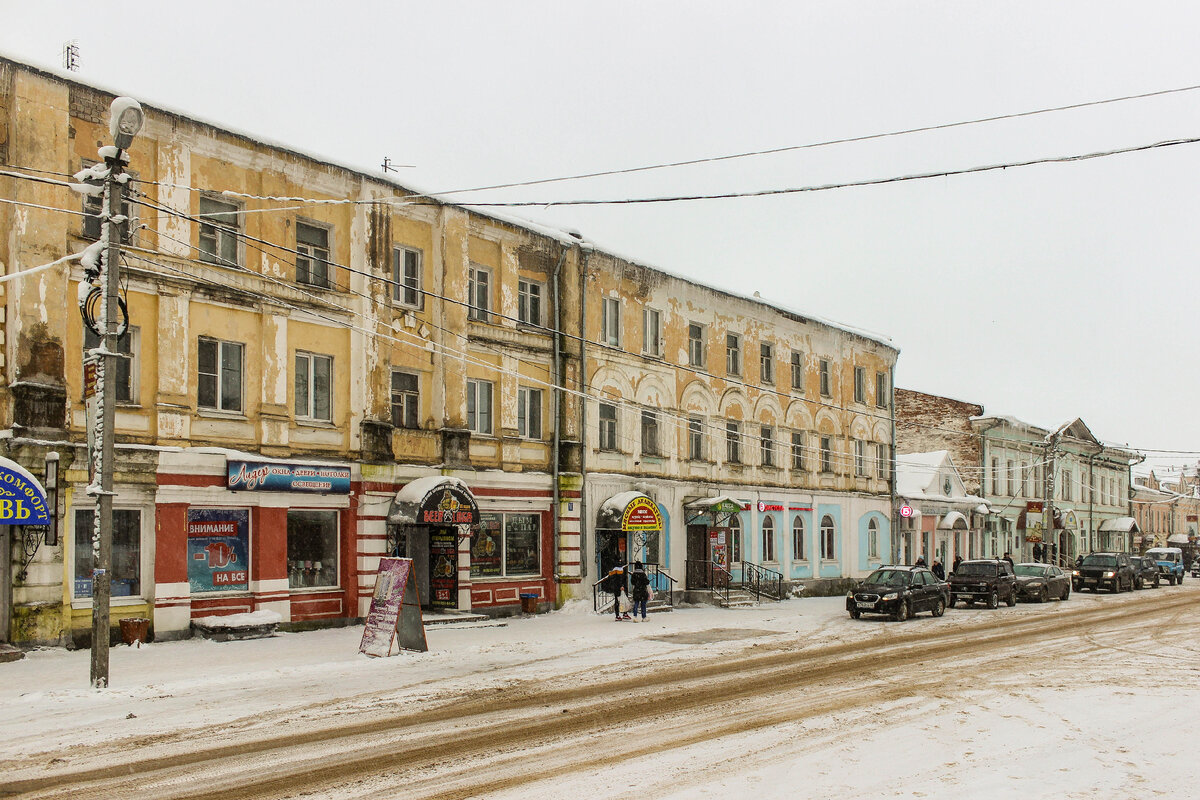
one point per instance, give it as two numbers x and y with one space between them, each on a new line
1122 525
436 500
954 519
630 511
720 508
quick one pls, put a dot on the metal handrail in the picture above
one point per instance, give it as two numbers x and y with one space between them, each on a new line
660 581
703 574
762 581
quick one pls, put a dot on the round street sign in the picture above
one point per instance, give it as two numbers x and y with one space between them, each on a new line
906 511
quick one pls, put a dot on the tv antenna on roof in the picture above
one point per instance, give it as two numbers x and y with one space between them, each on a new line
388 166
70 55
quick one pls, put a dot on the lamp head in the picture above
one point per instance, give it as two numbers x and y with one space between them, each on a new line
125 120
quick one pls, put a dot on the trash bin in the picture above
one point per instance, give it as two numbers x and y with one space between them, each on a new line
134 629
529 603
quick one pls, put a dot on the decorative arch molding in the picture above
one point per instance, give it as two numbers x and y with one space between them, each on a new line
698 397
611 383
798 416
828 423
859 428
652 390
767 410
734 399
881 433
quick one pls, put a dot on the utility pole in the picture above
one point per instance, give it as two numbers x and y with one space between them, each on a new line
1048 508
125 121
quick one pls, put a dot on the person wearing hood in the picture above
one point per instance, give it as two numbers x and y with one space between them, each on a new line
614 584
640 582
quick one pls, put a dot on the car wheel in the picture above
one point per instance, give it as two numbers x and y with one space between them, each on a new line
901 612
1012 598
993 600
939 607
1170 580
1181 577
1138 583
1066 595
1157 582
1043 595
855 613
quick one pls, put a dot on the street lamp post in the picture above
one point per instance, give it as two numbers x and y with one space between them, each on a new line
125 121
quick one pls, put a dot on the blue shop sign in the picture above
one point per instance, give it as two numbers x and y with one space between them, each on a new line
259 476
22 498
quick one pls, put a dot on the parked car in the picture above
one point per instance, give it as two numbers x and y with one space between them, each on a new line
1170 562
1097 571
1196 568
899 592
1145 572
985 580
1040 582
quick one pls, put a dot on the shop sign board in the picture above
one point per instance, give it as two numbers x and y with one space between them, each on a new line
443 568
218 547
725 507
641 515
395 611
257 476
763 506
22 498
448 504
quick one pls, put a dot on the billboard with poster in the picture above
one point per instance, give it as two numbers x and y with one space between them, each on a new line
218 548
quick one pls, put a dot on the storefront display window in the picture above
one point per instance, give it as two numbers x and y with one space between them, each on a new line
126 553
506 546
312 548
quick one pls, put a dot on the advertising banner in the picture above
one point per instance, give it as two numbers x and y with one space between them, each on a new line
448 505
218 543
641 515
395 610
443 568
256 476
22 498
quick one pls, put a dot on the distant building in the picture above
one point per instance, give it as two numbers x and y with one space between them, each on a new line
927 422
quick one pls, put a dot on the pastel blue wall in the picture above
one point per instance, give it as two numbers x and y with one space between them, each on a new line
885 540
802 569
831 569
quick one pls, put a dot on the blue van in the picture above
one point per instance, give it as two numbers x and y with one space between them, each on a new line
1170 562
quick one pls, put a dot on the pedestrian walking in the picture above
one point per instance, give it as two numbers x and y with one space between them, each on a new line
640 583
938 570
954 567
920 561
1008 558
614 584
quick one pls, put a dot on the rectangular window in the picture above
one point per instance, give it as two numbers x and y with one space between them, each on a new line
312 548
860 385
610 332
882 462
506 545
798 370
649 433
405 399
695 439
1010 474
860 458
768 541
529 301
479 407
529 413
733 354
406 278
798 541
766 363
996 476
312 261
608 426
1024 479
825 388
651 332
314 387
1038 480
826 454
1066 485
797 450
696 348
126 576
766 443
881 390
127 363
218 231
479 294
733 442
219 375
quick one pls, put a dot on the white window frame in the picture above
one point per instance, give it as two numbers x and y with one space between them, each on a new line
695 438
479 293
221 344
828 538
766 446
826 378
406 290
476 391
652 332
607 429
882 461
860 385
531 297
860 458
768 540
610 321
529 419
798 459
733 354
766 362
799 545
797 364
309 412
826 448
733 442
311 254
881 392
697 351
220 229
873 539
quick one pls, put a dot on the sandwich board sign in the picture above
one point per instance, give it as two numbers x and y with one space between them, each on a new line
395 613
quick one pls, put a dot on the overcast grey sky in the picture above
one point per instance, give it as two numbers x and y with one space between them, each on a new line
1045 292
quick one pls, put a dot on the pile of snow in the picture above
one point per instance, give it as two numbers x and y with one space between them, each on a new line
247 620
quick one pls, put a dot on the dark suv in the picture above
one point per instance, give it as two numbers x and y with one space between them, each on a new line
1145 572
898 592
985 580
1097 571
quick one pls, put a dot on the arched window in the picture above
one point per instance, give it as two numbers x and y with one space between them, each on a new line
768 539
798 539
828 536
735 539
873 539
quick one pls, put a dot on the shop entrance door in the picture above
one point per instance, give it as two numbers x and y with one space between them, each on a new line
697 551
415 545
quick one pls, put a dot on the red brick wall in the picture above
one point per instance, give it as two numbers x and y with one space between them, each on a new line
926 422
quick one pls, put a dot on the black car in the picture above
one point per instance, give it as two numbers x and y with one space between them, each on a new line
984 580
1145 572
1097 571
899 592
1040 582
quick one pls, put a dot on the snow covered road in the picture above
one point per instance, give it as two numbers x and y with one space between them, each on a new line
784 700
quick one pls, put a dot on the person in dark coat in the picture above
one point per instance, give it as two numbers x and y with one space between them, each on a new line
1008 557
938 570
920 561
957 560
640 583
614 584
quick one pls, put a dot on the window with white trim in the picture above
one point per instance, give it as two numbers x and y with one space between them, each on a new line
766 362
479 407
695 439
873 539
733 442
479 293
610 322
733 354
608 426
797 450
860 385
125 578
219 374
828 539
826 454
312 256
314 386
860 458
406 278
825 384
529 301
651 332
529 413
696 349
798 543
506 545
766 444
881 390
798 370
768 538
219 227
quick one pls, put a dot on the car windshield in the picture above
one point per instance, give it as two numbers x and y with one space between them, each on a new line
890 577
1100 561
976 568
1031 570
1160 555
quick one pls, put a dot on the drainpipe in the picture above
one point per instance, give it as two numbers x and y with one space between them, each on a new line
555 380
892 467
585 252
